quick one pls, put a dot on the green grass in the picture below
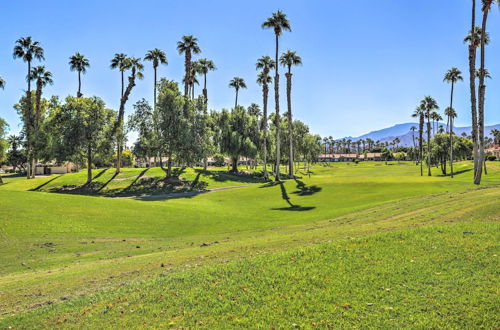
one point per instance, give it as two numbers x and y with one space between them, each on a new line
60 250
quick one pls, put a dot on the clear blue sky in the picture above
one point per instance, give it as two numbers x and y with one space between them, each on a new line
366 63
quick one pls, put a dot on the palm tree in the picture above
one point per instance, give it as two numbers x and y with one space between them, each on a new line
27 49
237 83
429 105
266 64
453 76
188 46
195 70
486 73
420 114
157 56
279 23
136 68
474 39
2 83
120 62
450 112
79 63
42 78
482 90
206 65
288 59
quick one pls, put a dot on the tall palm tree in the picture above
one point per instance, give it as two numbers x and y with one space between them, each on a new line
79 63
42 78
420 114
136 68
237 83
486 6
266 64
157 56
206 65
27 50
2 83
188 46
120 62
279 23
195 70
453 76
429 105
451 114
289 59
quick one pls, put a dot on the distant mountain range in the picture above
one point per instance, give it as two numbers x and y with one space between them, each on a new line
402 131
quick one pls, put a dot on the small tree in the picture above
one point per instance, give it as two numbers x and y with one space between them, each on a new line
84 126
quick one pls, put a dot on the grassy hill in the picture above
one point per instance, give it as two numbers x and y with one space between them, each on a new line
320 250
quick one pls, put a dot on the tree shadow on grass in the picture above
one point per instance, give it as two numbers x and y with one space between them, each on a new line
45 183
98 175
455 173
291 207
305 190
223 176
136 179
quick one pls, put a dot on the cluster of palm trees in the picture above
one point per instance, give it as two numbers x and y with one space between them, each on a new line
347 146
427 110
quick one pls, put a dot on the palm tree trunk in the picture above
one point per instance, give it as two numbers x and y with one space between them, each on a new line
290 122
205 92
428 145
119 122
472 83
421 143
236 100
187 67
277 110
265 90
482 92
28 124
451 129
123 83
89 164
79 94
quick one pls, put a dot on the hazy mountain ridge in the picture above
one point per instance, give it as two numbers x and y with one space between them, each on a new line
402 131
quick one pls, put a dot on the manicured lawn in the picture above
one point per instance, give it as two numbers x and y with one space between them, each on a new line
56 247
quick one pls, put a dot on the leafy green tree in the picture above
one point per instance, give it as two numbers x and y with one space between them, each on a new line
28 50
386 155
206 65
237 83
120 62
79 63
83 124
279 23
237 132
289 59
136 68
16 156
188 46
143 121
173 121
266 64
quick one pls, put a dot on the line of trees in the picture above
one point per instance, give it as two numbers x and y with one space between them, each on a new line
177 127
477 38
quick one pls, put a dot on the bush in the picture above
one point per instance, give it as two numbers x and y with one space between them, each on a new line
219 160
491 158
